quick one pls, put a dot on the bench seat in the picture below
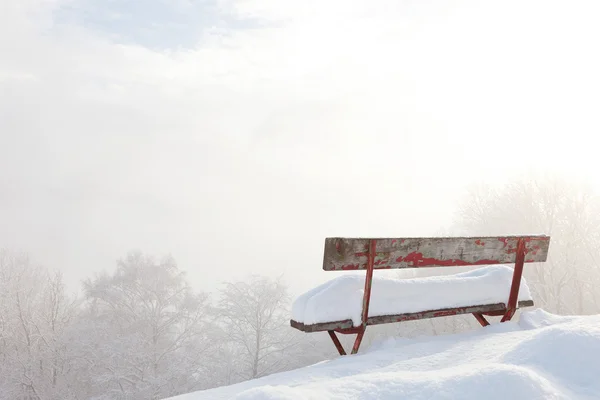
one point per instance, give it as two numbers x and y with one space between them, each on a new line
497 309
337 304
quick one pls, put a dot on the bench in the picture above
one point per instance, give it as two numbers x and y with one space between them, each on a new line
351 254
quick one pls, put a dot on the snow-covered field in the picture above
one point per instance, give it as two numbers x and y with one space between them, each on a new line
542 356
341 298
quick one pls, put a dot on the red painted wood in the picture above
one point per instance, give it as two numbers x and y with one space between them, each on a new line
352 253
346 326
498 313
516 282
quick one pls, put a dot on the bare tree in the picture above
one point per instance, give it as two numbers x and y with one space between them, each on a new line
569 212
149 330
255 318
35 316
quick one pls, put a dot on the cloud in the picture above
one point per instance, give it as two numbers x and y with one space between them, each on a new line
156 24
238 146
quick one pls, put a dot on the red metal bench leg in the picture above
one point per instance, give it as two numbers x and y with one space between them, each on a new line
511 307
337 343
357 341
481 319
367 294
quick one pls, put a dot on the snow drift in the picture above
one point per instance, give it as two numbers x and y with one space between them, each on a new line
543 356
341 298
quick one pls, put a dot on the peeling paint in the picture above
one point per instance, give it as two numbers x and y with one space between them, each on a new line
350 253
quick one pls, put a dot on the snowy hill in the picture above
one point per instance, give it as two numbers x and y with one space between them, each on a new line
543 356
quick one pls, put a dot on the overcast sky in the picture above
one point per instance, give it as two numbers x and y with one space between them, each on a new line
237 134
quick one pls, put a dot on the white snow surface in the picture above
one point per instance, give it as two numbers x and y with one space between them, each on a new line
341 298
543 356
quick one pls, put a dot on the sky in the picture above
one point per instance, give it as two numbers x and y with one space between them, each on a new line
236 135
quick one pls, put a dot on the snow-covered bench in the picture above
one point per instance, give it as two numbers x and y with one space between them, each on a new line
346 305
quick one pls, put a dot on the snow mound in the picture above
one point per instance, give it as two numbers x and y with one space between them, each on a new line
341 298
562 351
544 356
446 385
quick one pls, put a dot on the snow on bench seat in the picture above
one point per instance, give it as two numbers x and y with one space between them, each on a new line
341 298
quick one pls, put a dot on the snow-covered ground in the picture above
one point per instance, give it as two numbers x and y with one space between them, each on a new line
543 356
341 298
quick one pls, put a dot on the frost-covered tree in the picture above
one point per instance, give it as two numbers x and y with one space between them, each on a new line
147 336
569 212
35 317
254 315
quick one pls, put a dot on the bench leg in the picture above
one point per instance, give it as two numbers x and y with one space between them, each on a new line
337 343
481 319
511 307
357 341
367 295
360 330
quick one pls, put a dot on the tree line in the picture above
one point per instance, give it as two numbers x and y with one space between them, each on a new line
142 332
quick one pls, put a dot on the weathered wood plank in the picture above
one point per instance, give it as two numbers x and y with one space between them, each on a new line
325 326
444 312
388 319
342 254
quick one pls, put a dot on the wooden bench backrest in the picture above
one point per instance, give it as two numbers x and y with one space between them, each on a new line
344 254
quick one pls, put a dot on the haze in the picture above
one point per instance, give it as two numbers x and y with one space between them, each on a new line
236 135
